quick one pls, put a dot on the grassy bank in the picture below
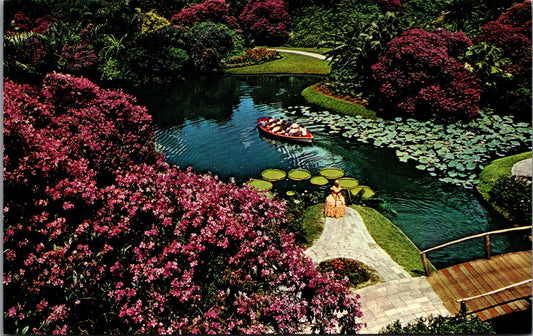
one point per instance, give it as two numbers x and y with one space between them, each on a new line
313 223
290 64
401 249
336 105
496 169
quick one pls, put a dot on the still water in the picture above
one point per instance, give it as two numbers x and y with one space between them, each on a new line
209 123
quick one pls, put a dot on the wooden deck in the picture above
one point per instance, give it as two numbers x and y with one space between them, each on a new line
483 276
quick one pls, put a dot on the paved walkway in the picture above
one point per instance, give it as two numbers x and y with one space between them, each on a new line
400 297
523 169
305 53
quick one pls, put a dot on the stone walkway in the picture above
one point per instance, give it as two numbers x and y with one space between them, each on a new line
400 297
305 53
523 169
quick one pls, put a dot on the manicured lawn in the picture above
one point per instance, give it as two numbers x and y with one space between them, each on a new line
401 249
289 64
497 168
313 223
337 105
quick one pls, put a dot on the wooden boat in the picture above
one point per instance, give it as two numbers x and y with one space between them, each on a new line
308 138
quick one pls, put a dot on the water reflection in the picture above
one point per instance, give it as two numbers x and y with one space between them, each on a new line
210 124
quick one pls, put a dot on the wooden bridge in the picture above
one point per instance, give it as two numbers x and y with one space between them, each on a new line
490 287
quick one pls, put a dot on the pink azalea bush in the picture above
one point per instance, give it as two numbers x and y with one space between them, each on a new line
80 57
216 11
419 76
266 21
102 236
22 23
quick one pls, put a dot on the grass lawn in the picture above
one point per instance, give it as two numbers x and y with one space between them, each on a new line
401 249
496 169
385 233
313 223
289 64
337 105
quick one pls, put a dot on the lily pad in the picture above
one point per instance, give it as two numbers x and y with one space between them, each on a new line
367 192
260 184
290 193
319 180
332 173
273 174
348 182
299 174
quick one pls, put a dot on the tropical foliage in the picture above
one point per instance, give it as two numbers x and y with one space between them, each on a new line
441 325
102 236
514 196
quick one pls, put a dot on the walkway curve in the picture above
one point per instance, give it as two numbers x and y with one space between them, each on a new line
401 297
304 53
348 237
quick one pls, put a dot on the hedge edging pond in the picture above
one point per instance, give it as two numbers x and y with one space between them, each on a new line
493 171
336 105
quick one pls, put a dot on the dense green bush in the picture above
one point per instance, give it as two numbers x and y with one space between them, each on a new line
441 325
514 196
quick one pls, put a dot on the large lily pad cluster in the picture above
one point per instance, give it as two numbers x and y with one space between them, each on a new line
455 153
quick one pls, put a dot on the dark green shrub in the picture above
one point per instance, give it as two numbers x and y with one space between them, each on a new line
514 196
341 267
441 325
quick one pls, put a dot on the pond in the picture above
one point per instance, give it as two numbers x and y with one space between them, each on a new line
209 123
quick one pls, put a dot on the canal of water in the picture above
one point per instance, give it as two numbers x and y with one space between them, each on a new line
209 123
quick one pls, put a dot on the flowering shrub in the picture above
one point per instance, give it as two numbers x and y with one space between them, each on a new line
254 56
390 5
22 23
266 21
216 11
342 267
512 33
80 57
418 77
102 236
150 21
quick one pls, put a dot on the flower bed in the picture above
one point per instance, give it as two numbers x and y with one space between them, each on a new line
356 272
252 57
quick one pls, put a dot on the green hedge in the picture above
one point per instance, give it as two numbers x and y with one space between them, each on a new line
495 171
336 105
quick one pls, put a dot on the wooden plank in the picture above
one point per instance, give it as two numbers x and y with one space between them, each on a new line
446 292
493 301
464 288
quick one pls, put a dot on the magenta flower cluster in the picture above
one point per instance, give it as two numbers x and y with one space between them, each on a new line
216 11
390 5
80 57
39 25
267 21
419 76
102 236
512 34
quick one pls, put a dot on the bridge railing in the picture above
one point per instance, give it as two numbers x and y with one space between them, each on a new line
487 235
463 301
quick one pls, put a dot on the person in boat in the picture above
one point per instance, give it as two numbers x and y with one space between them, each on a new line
335 202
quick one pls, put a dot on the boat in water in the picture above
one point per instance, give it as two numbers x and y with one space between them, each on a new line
284 130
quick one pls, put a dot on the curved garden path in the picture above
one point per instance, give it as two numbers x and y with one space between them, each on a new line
399 297
305 53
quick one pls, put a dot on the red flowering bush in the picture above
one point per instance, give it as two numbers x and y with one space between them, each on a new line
512 34
216 11
419 77
22 23
102 236
254 56
355 271
266 21
390 5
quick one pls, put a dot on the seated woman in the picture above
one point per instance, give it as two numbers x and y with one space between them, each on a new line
335 202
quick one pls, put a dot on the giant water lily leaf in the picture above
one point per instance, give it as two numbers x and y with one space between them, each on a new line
367 192
273 175
299 174
332 173
319 180
261 185
348 182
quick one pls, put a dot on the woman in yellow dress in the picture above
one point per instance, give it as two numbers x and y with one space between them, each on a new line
335 202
